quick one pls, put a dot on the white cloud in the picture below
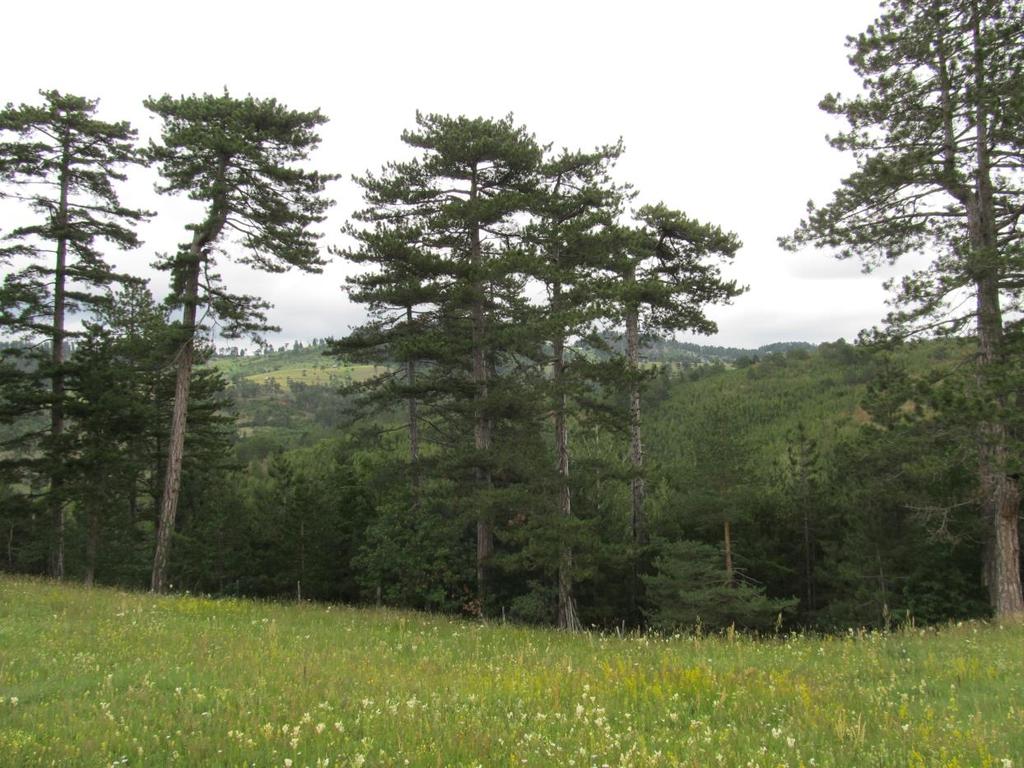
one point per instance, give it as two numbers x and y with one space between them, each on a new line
716 103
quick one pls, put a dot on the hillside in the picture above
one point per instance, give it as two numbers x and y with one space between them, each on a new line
287 397
761 468
306 364
101 677
291 394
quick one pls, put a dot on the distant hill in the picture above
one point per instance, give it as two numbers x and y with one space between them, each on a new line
660 350
291 396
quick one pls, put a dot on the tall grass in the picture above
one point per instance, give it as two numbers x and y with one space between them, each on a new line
100 677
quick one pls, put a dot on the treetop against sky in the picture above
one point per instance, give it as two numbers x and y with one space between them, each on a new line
717 106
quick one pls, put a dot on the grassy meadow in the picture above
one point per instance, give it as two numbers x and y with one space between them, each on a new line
285 368
106 678
317 376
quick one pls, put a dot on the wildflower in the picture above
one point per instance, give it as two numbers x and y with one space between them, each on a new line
320 727
287 762
790 742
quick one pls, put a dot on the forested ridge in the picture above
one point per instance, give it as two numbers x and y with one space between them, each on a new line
295 503
514 429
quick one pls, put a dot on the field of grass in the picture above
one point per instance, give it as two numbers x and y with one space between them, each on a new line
317 375
307 366
100 678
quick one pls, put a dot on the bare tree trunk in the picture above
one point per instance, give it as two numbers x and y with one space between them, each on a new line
91 546
637 488
882 587
133 503
636 449
56 500
808 557
302 557
729 575
1000 493
204 235
567 615
1000 507
176 442
481 426
414 425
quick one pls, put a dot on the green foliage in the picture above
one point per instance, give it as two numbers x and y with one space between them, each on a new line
936 137
242 159
62 165
690 589
669 270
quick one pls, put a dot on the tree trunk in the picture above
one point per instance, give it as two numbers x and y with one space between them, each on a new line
414 425
204 235
133 503
567 615
302 557
884 592
56 501
636 450
638 521
808 555
729 577
1000 492
481 426
91 546
179 420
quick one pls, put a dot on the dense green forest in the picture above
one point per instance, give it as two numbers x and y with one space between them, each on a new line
840 492
515 429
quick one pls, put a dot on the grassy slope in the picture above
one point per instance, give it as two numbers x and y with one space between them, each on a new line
772 398
102 676
308 366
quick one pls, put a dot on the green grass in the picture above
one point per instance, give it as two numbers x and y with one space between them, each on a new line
310 357
306 366
100 677
317 375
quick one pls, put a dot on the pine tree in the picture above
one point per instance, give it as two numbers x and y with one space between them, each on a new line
802 480
576 204
455 207
63 164
936 135
241 158
400 297
665 273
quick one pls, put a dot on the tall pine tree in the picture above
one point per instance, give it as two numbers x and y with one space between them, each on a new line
665 273
456 204
576 203
63 163
939 150
242 159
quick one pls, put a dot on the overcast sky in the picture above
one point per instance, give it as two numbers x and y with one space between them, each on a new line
716 103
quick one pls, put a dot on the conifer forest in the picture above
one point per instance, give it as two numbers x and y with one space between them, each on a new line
520 428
